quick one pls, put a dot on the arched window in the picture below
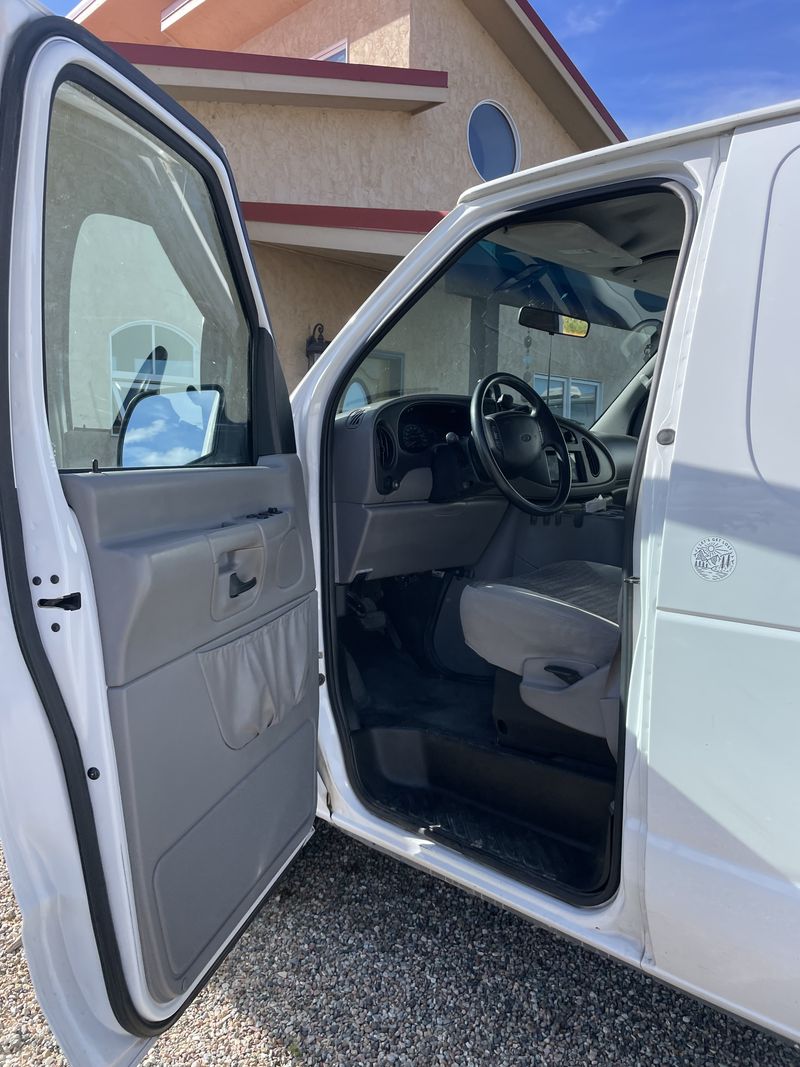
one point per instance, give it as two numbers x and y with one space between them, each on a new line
145 355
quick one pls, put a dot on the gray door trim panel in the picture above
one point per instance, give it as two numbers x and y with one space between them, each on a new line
213 697
208 826
164 544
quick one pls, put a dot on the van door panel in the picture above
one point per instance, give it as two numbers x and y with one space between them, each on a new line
167 725
211 710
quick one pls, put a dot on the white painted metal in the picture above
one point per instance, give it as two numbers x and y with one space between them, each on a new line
722 862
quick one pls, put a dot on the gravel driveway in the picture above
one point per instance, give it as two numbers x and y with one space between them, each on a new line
361 960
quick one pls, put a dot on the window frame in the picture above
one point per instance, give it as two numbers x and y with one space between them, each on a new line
328 54
261 398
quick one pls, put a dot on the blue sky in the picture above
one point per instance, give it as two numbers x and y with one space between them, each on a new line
657 64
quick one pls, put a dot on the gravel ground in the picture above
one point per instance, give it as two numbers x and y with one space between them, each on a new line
359 960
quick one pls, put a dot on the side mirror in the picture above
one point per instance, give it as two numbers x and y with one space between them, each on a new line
551 322
169 429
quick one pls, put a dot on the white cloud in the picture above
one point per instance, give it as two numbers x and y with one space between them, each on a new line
583 19
684 100
169 457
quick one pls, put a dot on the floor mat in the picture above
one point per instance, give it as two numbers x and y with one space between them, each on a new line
511 843
400 698
401 694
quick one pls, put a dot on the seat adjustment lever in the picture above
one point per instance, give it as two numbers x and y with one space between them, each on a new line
566 674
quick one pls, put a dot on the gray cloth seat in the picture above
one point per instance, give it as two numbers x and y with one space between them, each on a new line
561 615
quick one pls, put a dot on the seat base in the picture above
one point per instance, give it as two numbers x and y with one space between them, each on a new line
522 728
563 609
554 628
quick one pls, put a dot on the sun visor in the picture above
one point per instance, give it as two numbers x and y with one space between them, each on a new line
569 243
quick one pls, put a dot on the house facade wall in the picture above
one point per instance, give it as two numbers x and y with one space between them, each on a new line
367 158
381 159
446 36
302 289
378 31
304 155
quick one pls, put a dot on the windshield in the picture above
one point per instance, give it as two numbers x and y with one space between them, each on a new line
609 264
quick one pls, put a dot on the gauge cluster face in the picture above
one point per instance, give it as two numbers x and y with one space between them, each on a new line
421 426
416 437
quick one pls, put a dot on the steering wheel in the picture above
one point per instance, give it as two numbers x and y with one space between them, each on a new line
511 443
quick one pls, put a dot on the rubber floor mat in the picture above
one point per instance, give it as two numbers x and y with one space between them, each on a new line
506 841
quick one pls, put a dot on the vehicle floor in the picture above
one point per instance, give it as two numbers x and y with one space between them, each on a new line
400 692
512 845
427 752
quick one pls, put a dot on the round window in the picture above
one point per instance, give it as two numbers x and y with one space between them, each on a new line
493 141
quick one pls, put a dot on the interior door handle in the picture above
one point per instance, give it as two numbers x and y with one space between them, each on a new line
237 586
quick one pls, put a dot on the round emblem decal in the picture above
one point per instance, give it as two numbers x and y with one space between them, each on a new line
714 559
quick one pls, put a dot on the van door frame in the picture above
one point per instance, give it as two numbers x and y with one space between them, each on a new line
630 579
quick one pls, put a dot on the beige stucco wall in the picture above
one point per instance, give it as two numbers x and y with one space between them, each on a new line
303 289
380 158
302 155
446 36
377 31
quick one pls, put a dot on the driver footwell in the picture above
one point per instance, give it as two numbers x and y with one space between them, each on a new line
429 758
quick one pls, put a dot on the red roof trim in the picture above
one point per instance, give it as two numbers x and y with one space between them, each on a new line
158 55
387 220
541 27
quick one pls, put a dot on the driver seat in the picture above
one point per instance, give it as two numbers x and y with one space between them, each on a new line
557 629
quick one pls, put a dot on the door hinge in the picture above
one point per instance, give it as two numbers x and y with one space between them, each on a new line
631 580
70 602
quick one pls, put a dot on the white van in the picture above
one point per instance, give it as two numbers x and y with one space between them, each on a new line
511 590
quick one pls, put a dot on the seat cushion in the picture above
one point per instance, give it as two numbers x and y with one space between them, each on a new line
562 611
592 587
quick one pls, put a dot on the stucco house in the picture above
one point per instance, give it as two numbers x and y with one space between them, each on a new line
352 127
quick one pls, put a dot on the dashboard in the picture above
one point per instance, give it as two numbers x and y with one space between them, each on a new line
432 433
410 493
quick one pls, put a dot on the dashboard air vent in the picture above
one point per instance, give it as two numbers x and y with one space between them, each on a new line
592 459
355 417
387 449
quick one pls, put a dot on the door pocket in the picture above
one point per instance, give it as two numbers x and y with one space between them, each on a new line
254 681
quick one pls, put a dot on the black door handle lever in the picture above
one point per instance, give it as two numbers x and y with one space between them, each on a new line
237 586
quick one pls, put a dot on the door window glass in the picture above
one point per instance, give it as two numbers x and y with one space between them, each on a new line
139 294
173 358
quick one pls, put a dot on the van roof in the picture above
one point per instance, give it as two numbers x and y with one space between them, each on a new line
654 141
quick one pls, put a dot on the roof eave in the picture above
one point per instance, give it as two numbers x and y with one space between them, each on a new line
654 147
246 77
579 110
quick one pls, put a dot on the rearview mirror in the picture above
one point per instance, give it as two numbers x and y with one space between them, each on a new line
169 429
551 322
